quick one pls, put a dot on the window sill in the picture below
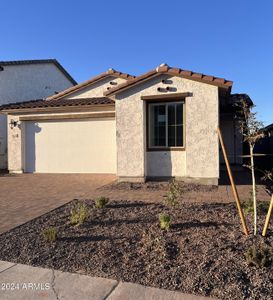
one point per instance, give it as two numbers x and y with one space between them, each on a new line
166 149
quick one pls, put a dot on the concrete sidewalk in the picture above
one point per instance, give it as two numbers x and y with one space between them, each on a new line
26 282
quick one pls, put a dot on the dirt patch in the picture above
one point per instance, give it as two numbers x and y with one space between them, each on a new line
202 253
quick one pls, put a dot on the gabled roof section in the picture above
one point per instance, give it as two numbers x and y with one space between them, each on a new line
110 72
40 103
165 69
39 61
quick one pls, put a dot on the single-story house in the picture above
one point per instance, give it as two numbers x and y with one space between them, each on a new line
24 80
265 146
158 125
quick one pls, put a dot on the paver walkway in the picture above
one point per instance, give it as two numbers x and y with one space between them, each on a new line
21 282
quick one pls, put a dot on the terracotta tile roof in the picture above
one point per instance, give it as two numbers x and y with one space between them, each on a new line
110 72
40 103
165 69
38 61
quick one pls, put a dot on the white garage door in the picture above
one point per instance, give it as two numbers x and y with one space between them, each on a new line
70 146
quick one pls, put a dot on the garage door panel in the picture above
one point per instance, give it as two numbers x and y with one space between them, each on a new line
80 146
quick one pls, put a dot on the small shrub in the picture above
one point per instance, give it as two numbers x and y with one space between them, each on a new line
78 214
259 257
164 221
173 194
50 234
101 202
262 206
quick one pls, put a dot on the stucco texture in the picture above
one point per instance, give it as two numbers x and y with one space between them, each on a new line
200 159
96 89
20 83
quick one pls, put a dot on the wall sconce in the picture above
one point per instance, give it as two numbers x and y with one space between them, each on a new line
13 124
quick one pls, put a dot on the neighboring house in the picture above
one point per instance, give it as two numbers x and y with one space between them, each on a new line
265 146
25 80
158 125
269 130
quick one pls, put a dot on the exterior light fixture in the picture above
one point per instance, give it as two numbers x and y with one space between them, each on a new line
13 124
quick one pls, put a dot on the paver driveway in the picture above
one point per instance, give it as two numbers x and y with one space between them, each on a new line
26 196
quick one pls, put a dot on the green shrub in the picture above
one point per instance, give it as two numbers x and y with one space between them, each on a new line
164 221
262 206
262 257
78 214
50 234
100 202
173 194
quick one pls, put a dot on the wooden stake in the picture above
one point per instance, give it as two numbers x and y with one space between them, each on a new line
268 217
235 193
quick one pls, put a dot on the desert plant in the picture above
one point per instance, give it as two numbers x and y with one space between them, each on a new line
173 194
268 178
262 206
251 130
50 234
100 202
78 214
262 257
164 221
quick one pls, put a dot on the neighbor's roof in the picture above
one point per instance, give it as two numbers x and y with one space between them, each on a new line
269 127
110 72
165 69
40 103
236 98
39 61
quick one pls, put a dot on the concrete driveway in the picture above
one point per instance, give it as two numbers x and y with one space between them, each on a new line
26 196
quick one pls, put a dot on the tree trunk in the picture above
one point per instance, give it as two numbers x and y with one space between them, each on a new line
253 188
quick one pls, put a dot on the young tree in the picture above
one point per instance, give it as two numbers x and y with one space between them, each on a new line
268 177
251 130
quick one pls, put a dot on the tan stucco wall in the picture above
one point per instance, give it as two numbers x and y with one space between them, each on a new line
201 157
15 147
96 89
166 163
16 136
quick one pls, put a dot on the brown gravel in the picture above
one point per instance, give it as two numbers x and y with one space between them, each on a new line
202 253
161 185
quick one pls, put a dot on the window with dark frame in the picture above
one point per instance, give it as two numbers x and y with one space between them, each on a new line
166 125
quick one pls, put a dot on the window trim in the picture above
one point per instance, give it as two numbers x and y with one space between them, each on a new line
161 148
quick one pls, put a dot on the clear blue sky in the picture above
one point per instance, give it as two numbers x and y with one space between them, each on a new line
231 39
